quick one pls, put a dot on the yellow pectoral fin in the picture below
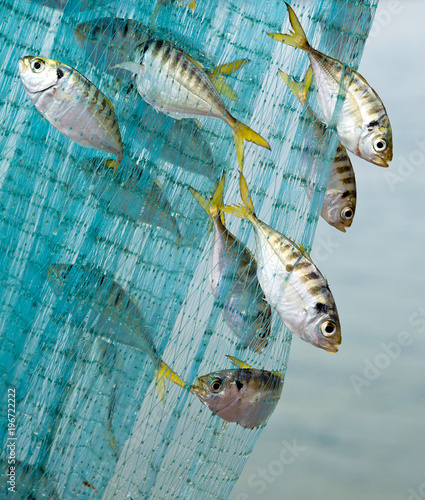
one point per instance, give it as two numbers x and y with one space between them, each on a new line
237 362
61 94
229 68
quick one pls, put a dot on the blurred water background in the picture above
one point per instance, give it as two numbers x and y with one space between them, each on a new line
358 418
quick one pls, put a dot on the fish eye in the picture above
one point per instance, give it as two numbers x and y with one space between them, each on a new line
380 145
328 328
37 65
216 384
347 213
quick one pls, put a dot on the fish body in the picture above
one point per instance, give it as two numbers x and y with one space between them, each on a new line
176 85
131 196
339 203
72 104
246 396
291 282
363 125
118 318
234 279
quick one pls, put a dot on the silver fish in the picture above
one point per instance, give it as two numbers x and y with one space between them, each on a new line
118 317
291 282
243 395
108 41
339 203
133 196
72 104
234 279
363 125
176 85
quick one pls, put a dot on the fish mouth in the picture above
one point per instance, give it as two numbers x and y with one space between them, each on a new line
330 348
381 162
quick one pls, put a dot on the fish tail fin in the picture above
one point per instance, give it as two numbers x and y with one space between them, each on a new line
192 5
115 163
241 132
237 362
163 372
299 89
296 38
213 206
245 195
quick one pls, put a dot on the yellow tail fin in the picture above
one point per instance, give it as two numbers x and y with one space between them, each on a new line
241 132
299 89
214 206
237 362
162 372
297 38
244 212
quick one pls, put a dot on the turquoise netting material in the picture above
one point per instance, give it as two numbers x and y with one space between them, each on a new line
87 410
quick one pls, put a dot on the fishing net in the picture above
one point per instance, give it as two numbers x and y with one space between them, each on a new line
88 418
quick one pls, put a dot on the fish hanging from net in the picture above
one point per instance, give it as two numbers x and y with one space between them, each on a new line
145 329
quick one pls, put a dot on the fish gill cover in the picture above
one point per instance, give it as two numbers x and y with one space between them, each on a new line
125 286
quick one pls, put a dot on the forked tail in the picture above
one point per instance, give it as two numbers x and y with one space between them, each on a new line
213 206
241 132
245 212
163 372
296 38
299 89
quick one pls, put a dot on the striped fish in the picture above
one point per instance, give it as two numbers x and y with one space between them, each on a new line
118 317
339 204
363 125
72 104
234 279
176 85
291 282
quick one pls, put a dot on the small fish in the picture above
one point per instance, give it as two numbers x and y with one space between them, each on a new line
119 319
131 196
175 85
243 395
234 279
339 203
291 282
72 104
363 125
108 41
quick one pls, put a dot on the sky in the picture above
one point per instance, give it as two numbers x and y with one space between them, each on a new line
352 425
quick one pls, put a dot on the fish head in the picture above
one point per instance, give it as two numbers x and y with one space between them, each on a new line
38 73
263 330
322 328
245 396
338 209
376 142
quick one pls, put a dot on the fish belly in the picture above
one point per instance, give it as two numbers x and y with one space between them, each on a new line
179 95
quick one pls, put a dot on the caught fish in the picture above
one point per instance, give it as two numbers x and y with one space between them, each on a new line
174 84
234 279
363 125
134 196
291 282
108 41
339 203
243 395
72 104
118 317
